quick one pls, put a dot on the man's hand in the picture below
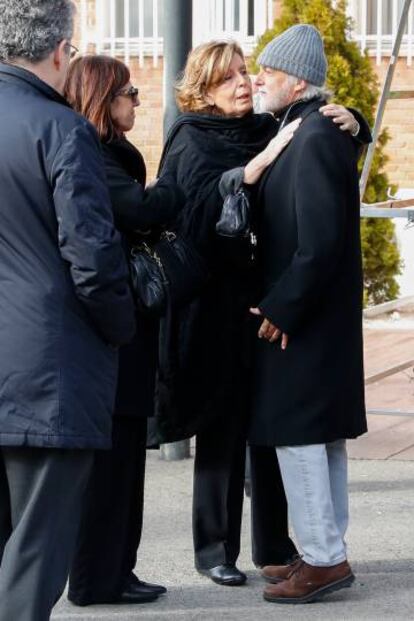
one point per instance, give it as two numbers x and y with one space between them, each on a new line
269 331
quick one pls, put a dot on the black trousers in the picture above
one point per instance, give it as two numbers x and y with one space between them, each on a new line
219 468
111 524
271 544
41 493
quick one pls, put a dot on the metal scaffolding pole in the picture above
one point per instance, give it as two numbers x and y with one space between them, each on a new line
178 29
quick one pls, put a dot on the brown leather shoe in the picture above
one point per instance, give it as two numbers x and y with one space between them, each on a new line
308 583
277 573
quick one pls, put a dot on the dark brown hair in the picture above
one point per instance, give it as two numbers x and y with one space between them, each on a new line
91 86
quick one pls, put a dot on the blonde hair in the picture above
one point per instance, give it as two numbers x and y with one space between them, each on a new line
206 67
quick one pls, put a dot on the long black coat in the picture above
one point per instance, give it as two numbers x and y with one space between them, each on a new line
310 261
137 209
64 294
204 369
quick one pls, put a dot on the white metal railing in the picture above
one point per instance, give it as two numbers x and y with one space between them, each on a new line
134 27
375 27
244 20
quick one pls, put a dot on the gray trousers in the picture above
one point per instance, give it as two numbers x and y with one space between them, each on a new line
315 478
40 504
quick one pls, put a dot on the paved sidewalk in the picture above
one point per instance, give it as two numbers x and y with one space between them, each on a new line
381 549
389 437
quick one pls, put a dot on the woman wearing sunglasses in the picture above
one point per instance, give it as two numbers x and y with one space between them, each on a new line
99 88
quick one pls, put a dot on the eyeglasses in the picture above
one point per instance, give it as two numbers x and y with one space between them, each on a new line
131 92
72 49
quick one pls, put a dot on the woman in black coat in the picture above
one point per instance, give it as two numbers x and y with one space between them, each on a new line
99 88
216 147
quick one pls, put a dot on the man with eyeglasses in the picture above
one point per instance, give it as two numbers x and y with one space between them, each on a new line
65 306
73 50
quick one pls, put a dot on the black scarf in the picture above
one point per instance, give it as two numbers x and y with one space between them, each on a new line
235 140
199 148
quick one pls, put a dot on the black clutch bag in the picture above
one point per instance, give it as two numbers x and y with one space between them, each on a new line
169 271
235 216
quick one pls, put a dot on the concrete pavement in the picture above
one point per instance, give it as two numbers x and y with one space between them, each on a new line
381 550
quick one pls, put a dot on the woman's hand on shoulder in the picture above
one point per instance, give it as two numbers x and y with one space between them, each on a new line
281 140
258 164
342 117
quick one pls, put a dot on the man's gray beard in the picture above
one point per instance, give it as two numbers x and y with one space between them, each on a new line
277 103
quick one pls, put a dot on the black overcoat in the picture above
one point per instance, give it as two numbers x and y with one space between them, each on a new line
205 366
64 295
311 278
136 209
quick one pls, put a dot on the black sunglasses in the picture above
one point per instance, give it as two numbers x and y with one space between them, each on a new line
131 92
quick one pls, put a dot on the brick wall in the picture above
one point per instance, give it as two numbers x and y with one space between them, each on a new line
90 20
277 7
399 118
147 133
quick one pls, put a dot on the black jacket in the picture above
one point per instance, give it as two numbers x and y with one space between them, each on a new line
136 209
204 369
64 298
311 276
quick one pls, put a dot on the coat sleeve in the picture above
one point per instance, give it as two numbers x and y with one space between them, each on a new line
136 208
322 179
88 241
231 181
364 136
198 177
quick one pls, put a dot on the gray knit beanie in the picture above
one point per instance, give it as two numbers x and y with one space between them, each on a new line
299 52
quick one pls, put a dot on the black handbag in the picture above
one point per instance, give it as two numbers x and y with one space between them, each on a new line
235 216
167 272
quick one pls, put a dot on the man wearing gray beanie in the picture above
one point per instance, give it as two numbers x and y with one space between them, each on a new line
308 395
